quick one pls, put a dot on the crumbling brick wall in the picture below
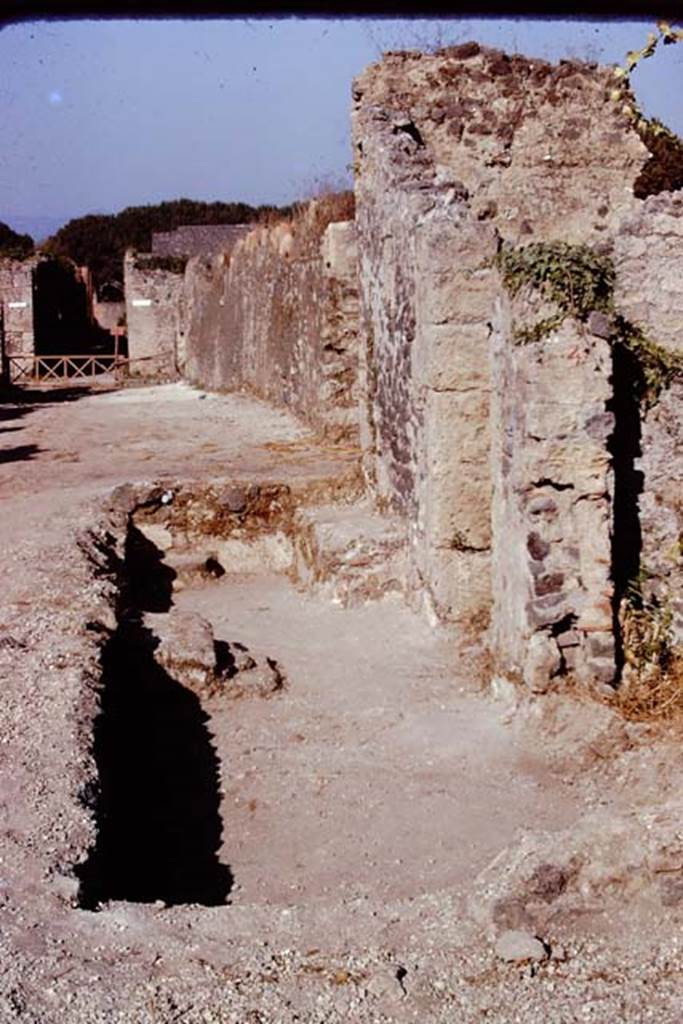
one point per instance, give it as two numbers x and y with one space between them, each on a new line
279 317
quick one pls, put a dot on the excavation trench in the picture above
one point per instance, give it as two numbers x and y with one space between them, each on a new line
261 744
159 824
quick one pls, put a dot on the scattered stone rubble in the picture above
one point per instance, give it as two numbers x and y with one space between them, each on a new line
189 652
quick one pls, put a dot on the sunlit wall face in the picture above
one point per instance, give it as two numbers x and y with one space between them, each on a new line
103 115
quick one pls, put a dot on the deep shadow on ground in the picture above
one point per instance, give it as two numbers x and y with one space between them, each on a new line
159 826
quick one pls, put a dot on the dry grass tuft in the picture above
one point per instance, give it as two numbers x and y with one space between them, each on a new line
652 681
308 219
653 694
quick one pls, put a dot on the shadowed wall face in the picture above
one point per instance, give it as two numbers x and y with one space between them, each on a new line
648 256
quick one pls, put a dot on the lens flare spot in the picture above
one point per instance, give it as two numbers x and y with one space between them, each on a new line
55 98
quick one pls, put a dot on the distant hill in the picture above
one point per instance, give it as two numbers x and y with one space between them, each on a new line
38 227
13 244
100 240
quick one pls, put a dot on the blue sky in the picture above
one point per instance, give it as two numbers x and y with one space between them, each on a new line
98 115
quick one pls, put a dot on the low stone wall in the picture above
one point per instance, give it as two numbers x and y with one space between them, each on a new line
278 317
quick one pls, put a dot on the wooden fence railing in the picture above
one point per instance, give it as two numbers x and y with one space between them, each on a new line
56 369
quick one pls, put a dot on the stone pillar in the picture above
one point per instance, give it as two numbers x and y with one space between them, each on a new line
456 287
452 150
153 289
16 296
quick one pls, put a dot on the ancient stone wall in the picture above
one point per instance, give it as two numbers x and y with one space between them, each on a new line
454 152
529 443
16 299
154 313
552 512
648 257
278 317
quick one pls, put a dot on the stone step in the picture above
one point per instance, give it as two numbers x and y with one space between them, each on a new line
350 552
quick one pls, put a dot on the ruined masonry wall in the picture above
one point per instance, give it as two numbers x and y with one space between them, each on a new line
454 151
648 255
16 298
552 509
154 317
278 317
524 473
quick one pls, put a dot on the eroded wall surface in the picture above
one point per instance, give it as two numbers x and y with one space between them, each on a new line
278 317
198 239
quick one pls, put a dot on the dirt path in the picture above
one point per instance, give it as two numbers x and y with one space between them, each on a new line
376 774
359 806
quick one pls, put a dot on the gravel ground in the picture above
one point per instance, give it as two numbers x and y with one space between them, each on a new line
568 786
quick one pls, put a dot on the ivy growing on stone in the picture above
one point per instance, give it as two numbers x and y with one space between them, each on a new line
663 171
658 367
575 277
579 281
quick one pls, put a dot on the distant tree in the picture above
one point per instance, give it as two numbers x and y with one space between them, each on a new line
100 240
15 246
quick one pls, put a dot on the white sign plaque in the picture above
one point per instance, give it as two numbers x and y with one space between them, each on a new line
17 305
142 302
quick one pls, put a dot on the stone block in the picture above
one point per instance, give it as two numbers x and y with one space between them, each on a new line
458 583
455 485
452 357
340 250
542 662
186 648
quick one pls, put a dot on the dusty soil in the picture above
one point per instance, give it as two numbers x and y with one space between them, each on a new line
381 819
